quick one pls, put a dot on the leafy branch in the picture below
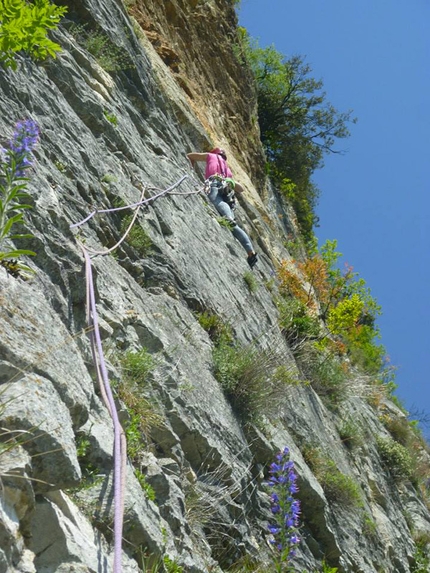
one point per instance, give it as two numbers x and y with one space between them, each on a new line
24 27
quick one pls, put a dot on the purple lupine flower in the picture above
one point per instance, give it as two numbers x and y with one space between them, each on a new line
284 507
20 147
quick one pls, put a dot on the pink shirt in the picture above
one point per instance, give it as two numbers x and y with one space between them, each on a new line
217 165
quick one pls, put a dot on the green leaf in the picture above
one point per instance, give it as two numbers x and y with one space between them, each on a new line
16 253
21 236
5 231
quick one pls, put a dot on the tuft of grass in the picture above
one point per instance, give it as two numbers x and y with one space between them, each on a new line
250 378
327 375
91 475
339 488
251 281
132 389
399 428
421 556
369 528
137 366
137 236
109 178
171 566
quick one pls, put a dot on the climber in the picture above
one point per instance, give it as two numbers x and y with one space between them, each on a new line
221 188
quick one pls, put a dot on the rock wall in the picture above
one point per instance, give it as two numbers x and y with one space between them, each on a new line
195 497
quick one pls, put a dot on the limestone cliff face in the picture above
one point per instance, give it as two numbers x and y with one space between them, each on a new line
105 136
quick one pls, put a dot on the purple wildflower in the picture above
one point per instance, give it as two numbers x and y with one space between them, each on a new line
284 507
20 147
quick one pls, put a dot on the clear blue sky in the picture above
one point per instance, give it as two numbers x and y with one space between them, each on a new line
373 57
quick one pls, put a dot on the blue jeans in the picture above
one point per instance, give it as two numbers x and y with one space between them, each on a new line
224 209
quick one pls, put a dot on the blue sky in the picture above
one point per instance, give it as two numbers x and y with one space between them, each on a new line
373 57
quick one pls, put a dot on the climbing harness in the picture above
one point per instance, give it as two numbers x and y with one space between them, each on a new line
120 445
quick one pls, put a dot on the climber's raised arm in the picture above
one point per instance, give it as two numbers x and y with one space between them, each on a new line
193 157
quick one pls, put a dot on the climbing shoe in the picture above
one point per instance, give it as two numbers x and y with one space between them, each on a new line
252 260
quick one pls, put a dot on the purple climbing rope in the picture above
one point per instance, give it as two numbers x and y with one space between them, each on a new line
138 204
120 445
118 486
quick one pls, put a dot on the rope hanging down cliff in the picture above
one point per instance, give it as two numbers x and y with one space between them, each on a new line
120 446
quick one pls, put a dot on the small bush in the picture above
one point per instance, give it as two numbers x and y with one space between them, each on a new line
395 457
350 433
137 237
340 488
296 323
109 56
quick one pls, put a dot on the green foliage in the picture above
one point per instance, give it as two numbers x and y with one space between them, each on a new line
326 568
137 236
350 433
251 281
171 566
90 473
150 563
60 166
24 27
298 126
110 117
215 326
343 317
421 556
137 366
340 489
342 299
109 56
246 375
224 222
132 390
327 375
295 322
15 159
399 429
147 488
395 457
369 527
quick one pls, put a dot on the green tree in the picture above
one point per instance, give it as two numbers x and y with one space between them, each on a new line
298 125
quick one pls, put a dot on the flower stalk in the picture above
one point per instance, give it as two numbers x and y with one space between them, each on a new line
285 510
15 159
